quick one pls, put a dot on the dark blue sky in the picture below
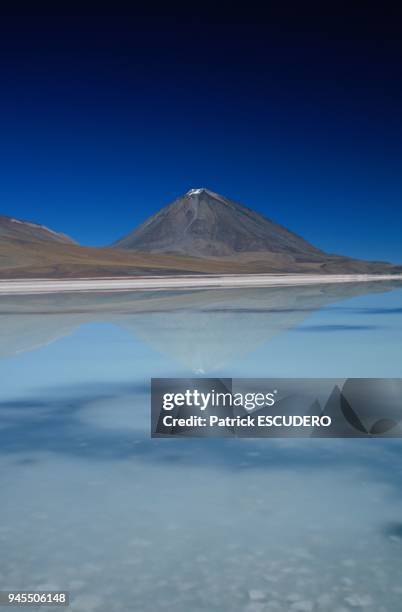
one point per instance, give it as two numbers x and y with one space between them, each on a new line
107 119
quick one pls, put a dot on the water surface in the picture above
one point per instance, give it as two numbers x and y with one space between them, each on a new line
91 505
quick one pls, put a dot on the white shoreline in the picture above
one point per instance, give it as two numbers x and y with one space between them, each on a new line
160 283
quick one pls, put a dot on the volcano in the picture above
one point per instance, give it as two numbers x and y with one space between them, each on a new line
203 224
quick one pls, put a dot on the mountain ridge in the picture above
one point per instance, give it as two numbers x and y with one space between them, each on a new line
21 229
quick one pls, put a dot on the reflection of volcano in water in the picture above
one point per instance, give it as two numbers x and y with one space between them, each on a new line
201 329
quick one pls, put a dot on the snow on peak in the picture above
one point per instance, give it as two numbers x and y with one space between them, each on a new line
211 194
195 191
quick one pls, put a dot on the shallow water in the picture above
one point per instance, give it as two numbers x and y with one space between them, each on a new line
90 504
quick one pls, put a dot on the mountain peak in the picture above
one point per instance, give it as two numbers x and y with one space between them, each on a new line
202 191
195 191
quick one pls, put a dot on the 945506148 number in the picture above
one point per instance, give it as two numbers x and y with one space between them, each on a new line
34 598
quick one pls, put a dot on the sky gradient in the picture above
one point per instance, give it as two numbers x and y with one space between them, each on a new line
106 119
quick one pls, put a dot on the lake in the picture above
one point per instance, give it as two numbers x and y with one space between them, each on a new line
90 504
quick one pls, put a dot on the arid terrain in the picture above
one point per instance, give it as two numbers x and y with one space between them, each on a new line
199 233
